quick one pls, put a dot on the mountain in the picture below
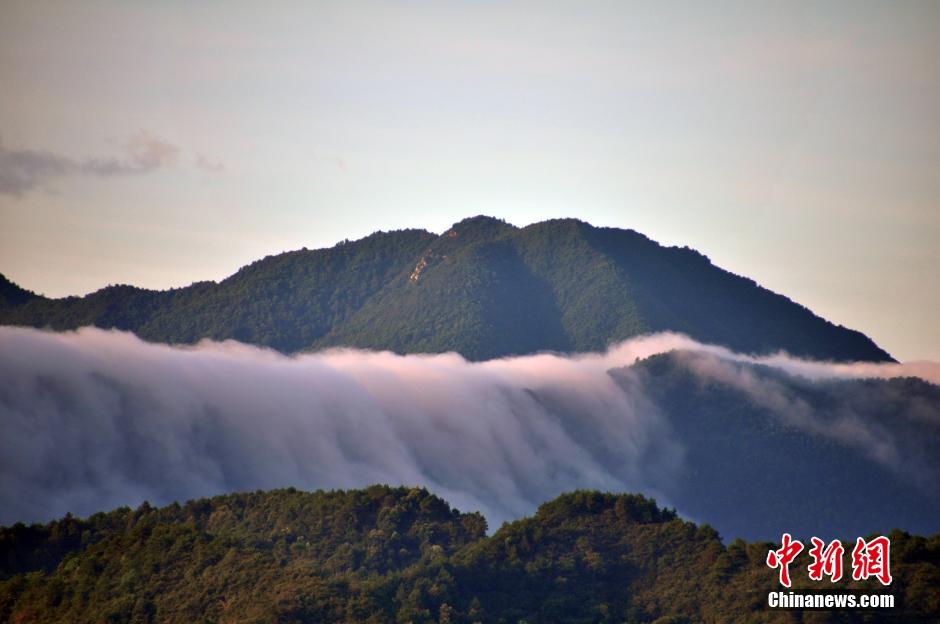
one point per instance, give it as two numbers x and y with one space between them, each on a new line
767 451
403 555
484 289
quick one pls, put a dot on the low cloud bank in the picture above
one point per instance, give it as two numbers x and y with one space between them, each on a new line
96 419
894 425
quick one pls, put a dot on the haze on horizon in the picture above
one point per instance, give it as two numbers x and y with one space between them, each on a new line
159 144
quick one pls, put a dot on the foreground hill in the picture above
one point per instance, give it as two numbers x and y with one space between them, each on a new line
403 555
484 289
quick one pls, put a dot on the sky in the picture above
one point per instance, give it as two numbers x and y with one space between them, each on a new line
159 144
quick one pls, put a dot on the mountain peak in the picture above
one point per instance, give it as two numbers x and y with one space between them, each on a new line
483 221
479 227
483 288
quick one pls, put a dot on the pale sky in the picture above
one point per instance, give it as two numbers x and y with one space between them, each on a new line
160 143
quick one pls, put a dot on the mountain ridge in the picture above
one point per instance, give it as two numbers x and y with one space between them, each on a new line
484 288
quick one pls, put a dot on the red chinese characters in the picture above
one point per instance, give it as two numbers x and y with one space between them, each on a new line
872 558
783 557
826 561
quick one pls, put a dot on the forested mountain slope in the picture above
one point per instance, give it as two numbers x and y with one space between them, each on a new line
402 555
765 450
484 289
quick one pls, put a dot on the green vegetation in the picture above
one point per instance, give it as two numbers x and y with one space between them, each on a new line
483 289
763 449
403 555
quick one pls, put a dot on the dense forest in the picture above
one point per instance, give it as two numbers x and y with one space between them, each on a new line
484 289
403 555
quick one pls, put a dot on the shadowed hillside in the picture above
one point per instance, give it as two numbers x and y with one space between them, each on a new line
767 451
